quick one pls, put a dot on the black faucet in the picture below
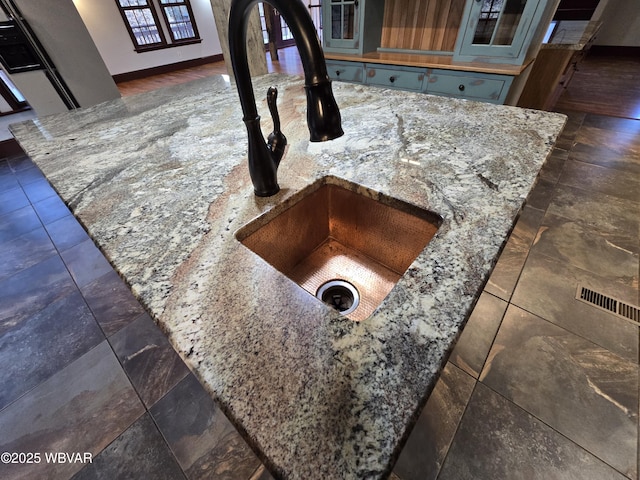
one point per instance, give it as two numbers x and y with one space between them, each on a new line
323 115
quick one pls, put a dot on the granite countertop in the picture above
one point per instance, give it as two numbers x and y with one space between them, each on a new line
160 182
572 34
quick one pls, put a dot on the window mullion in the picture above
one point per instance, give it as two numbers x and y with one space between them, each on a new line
163 24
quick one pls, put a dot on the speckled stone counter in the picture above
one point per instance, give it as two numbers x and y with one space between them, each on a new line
160 182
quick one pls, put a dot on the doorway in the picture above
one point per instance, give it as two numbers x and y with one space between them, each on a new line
272 22
281 34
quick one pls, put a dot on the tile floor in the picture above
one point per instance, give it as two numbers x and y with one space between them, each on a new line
539 385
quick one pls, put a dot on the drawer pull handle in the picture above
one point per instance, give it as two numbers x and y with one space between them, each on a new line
392 79
337 73
461 87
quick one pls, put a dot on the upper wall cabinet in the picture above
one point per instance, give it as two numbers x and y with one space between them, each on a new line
498 31
352 26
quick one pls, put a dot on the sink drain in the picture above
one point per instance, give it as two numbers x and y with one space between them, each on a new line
340 295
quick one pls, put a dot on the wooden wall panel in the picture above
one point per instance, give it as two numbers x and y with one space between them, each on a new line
454 21
421 25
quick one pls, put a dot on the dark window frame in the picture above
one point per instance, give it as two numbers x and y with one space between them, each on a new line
161 23
179 3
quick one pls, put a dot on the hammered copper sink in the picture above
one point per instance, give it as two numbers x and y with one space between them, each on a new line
337 230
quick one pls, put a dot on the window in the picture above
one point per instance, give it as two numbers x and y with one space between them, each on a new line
178 15
147 30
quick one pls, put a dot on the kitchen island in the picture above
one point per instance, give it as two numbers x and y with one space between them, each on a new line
161 184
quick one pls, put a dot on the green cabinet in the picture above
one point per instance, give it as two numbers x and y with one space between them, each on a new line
352 26
484 87
345 71
471 85
498 31
402 78
365 41
342 23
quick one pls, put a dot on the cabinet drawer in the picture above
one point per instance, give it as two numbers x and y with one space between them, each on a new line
487 87
403 78
345 71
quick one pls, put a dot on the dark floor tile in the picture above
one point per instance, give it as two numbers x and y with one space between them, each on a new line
12 200
139 452
261 474
28 175
427 446
148 358
29 291
574 122
476 339
505 274
25 251
66 233
604 213
41 345
8 182
111 302
595 178
540 196
547 288
607 157
18 222
609 256
51 209
202 439
5 169
86 263
499 440
82 408
20 162
578 388
552 168
39 190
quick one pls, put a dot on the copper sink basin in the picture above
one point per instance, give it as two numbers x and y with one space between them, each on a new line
339 231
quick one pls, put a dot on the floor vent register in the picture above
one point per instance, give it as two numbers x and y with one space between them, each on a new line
608 304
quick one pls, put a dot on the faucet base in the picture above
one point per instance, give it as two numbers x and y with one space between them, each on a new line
266 193
263 166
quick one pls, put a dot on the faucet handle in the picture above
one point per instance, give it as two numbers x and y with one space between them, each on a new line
276 140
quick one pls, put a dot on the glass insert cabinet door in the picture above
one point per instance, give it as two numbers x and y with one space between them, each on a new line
498 21
343 23
499 27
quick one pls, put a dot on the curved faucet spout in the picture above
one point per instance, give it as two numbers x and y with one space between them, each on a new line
323 115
